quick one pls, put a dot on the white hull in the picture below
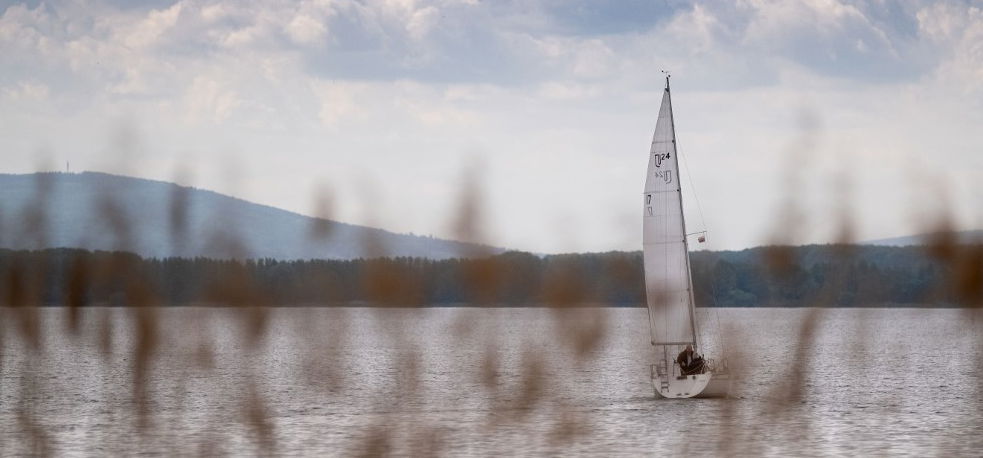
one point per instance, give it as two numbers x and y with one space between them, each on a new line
706 385
719 387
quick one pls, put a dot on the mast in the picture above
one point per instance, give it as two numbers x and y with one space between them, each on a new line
668 281
682 214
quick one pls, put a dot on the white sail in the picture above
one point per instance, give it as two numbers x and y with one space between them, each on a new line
668 282
667 276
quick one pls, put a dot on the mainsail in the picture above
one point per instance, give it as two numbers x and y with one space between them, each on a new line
668 285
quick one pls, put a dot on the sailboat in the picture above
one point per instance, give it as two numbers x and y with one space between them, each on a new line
668 279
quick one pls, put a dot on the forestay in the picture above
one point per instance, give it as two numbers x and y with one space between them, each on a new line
667 277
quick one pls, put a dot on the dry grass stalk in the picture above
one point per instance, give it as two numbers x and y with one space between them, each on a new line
565 291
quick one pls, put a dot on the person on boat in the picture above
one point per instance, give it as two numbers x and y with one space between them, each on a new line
689 361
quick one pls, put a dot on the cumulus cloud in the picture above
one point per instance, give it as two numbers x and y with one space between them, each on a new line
466 42
26 90
209 100
338 101
148 30
304 29
529 83
957 30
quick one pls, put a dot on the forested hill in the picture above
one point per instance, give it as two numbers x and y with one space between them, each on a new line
840 275
846 276
98 211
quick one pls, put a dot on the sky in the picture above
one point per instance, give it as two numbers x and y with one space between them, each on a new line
804 121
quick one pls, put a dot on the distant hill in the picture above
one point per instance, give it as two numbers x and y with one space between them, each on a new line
975 236
156 219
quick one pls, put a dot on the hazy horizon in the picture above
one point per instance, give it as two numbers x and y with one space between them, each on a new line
159 204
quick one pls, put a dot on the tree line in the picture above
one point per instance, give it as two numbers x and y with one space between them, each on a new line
815 275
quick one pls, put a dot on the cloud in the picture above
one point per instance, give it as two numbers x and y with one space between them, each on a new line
472 42
567 91
26 90
149 30
210 100
553 92
337 101
214 12
957 32
304 29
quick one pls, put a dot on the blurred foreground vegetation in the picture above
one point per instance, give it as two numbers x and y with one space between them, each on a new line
815 275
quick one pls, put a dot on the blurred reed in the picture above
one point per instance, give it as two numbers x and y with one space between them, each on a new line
325 365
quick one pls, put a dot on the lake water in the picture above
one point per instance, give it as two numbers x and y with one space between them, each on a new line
461 381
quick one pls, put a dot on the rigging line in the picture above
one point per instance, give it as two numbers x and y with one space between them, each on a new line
713 286
703 222
692 187
716 315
